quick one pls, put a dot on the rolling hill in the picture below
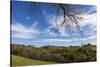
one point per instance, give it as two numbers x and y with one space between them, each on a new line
22 61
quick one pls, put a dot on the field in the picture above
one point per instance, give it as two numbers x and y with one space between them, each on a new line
26 61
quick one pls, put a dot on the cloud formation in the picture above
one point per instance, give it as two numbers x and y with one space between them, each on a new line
87 25
21 31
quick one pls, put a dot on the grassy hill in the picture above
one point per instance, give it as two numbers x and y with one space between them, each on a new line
22 61
58 54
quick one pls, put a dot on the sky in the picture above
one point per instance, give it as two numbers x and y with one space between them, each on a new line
35 25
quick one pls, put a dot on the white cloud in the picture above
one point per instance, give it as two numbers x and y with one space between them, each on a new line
21 31
55 22
22 35
52 40
50 33
92 9
88 38
88 26
88 19
56 40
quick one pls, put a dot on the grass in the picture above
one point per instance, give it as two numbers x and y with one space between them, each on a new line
22 61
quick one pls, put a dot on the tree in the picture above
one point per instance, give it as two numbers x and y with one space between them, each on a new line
70 16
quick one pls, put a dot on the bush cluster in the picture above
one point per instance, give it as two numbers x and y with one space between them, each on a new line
57 54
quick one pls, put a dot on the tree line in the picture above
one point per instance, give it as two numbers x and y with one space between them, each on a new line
59 54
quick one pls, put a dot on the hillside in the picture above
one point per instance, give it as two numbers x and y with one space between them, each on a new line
22 61
49 54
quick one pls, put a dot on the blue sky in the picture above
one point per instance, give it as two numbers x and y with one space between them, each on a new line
36 26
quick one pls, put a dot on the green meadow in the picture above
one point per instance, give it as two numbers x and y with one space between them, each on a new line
23 61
